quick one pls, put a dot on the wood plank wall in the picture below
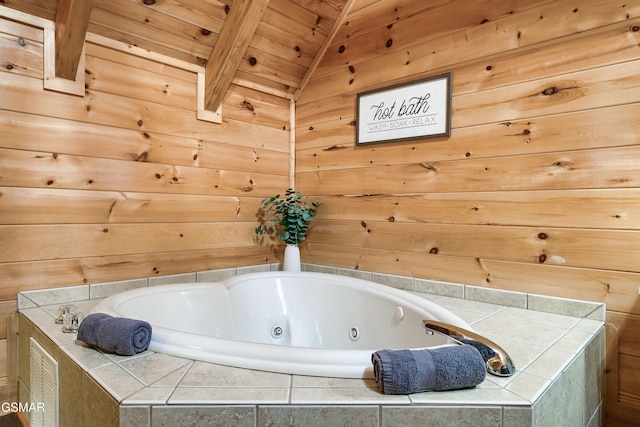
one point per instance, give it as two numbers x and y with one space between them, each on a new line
537 189
125 182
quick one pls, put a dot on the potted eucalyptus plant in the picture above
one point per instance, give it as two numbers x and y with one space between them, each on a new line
290 217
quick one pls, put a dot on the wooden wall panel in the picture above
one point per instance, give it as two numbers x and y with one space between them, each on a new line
536 188
601 249
372 29
562 170
21 54
525 32
264 155
61 272
25 95
42 242
608 208
52 170
55 206
600 128
125 182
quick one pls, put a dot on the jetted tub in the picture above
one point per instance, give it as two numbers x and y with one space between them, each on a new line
298 323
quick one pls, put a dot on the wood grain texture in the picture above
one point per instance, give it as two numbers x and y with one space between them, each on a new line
535 190
530 191
70 167
72 21
235 35
77 271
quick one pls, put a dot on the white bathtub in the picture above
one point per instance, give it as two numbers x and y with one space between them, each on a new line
297 323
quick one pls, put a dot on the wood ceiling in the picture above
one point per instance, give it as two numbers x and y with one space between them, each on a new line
270 45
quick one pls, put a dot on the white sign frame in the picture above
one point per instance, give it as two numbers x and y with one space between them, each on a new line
415 110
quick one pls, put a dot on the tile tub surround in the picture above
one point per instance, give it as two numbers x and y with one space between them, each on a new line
557 346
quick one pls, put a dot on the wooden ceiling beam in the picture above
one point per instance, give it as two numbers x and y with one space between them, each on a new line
337 25
72 21
234 38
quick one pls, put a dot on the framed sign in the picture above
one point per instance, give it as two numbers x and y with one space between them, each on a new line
415 110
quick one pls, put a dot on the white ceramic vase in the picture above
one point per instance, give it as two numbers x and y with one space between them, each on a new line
291 258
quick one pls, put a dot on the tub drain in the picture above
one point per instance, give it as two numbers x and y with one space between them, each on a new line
277 331
354 333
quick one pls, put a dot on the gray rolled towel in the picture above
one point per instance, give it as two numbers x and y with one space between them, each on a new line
118 335
417 370
486 351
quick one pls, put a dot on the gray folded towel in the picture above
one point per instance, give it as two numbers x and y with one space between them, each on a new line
486 351
118 335
413 371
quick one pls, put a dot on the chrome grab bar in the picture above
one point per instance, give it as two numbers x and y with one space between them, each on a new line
500 365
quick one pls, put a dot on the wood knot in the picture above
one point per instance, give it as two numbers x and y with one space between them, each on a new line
333 148
205 32
389 42
542 258
341 49
391 219
352 69
550 91
253 61
9 66
542 236
563 164
433 251
247 105
635 28
429 167
149 2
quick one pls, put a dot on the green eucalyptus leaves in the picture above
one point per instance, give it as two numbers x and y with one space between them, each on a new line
291 216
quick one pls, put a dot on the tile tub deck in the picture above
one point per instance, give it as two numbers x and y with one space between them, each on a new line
557 346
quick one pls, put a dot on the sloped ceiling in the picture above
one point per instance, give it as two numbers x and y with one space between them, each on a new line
271 45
